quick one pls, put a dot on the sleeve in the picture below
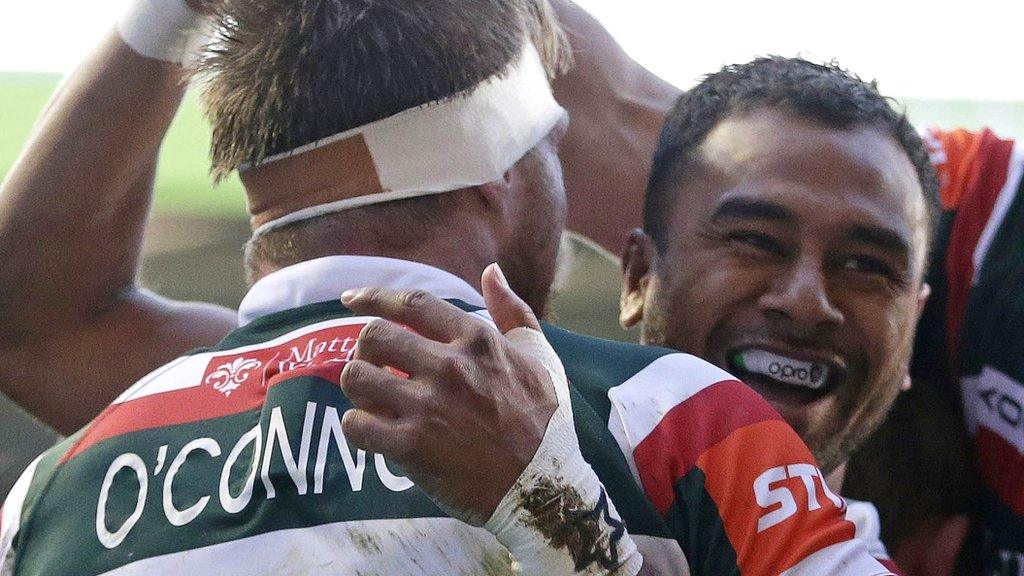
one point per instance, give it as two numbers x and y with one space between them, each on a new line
738 488
978 177
11 517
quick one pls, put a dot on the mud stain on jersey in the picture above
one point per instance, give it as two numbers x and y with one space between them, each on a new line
367 543
498 564
561 516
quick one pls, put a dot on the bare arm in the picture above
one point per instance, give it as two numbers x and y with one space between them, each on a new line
617 108
76 328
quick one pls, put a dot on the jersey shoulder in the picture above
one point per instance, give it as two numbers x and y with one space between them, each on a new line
639 382
968 163
595 366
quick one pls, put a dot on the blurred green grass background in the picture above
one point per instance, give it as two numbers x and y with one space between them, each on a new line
183 183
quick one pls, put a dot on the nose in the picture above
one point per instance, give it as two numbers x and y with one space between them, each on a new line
800 297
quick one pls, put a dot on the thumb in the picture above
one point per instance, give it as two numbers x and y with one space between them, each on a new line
519 324
507 310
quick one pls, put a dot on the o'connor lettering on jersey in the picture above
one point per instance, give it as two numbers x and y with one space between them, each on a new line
233 461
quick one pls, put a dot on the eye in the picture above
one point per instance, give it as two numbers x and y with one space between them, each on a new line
756 240
868 265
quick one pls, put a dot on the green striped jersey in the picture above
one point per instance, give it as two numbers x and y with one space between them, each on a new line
232 460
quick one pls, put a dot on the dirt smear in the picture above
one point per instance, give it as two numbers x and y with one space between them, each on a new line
559 513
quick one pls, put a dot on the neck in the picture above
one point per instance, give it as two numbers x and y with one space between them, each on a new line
835 478
463 262
460 246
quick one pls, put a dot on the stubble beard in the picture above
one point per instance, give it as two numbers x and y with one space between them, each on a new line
831 447
530 273
837 447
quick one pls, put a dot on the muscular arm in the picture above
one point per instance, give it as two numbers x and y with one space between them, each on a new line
72 215
617 108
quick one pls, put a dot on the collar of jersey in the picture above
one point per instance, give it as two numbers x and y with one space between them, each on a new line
324 279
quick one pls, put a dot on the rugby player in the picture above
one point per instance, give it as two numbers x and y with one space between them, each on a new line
618 107
785 239
970 334
407 145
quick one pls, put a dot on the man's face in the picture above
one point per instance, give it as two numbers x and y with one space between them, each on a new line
794 259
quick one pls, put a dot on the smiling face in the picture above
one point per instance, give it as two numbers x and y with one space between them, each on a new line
794 259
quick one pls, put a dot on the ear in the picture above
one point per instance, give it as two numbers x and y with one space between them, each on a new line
637 266
496 195
922 298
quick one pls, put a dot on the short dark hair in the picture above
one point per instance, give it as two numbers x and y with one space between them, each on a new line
283 73
824 93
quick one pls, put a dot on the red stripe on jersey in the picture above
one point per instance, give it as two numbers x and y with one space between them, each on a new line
1001 466
890 566
776 534
671 450
982 181
231 384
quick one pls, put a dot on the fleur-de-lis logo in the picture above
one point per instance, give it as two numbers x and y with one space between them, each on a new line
228 377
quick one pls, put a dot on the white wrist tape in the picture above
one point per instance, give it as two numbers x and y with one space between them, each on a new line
557 518
165 30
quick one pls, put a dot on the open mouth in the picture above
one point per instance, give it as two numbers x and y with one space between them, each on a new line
782 377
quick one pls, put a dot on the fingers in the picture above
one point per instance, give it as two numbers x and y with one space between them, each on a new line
423 312
371 432
384 343
375 389
507 310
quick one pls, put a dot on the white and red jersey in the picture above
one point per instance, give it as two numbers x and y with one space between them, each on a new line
971 336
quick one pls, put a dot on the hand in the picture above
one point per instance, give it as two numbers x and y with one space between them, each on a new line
168 30
475 407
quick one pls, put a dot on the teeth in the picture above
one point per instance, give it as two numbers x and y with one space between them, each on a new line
783 369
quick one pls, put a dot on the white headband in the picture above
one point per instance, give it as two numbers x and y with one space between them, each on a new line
455 143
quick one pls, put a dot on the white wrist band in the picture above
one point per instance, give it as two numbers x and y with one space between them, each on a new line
557 518
165 30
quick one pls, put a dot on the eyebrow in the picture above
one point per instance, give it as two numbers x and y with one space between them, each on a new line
883 238
746 208
752 209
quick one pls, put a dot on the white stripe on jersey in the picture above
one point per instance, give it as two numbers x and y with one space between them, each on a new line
413 546
867 527
850 556
985 397
10 522
999 210
187 371
639 404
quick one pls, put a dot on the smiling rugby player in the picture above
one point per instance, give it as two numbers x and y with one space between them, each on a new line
786 227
